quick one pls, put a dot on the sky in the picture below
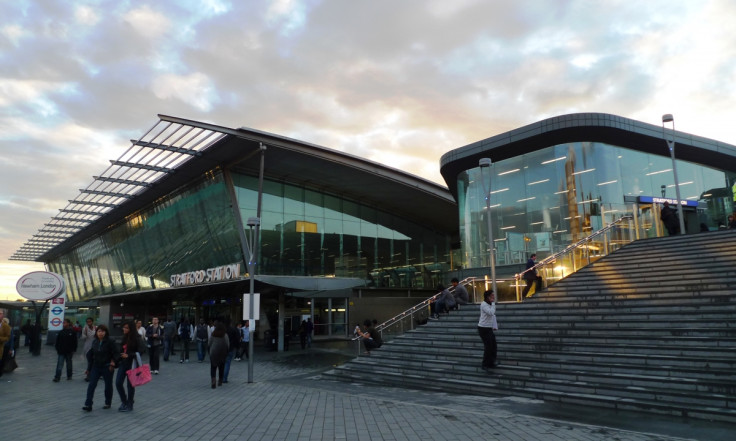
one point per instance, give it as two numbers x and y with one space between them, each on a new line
396 82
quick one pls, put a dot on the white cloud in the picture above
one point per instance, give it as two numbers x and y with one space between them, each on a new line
149 23
195 89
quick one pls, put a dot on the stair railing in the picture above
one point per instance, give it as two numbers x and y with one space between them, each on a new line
591 248
416 313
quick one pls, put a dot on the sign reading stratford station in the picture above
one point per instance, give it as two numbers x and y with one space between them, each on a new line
40 285
216 274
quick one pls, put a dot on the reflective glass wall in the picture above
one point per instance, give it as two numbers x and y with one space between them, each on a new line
305 232
188 230
546 200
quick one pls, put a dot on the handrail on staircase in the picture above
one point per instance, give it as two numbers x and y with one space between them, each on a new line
409 313
584 242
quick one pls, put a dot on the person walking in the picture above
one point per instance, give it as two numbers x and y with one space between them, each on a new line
670 219
128 354
169 333
486 325
202 335
155 334
234 343
5 334
218 347
245 342
88 336
186 334
66 346
310 331
100 363
531 276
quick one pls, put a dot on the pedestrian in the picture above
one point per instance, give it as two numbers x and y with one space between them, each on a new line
202 334
100 363
26 331
303 334
731 222
442 303
310 331
7 351
239 353
5 334
486 325
670 219
371 337
154 334
234 343
245 342
129 353
460 293
169 333
531 276
186 334
66 346
218 347
89 332
140 329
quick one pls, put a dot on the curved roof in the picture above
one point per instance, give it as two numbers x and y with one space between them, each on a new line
593 127
176 151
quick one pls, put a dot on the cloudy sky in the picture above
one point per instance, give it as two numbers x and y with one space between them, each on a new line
397 82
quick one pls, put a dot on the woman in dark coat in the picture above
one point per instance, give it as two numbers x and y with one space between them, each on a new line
127 355
218 347
100 363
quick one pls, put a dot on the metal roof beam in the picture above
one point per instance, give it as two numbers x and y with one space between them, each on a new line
60 227
94 204
122 181
92 213
168 148
107 193
142 166
86 221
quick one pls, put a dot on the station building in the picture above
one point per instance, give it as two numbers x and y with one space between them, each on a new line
166 230
558 180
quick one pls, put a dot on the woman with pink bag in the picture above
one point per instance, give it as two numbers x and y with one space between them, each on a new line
128 355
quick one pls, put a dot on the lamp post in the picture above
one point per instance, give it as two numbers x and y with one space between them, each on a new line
252 241
484 163
667 118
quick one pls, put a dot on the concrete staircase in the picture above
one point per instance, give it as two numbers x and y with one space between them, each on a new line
651 327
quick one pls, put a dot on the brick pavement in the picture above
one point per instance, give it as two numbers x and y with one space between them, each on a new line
290 401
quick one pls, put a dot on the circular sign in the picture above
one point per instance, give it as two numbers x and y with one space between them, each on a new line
55 322
40 285
57 310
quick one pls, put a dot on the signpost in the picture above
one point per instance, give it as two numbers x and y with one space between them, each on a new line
41 286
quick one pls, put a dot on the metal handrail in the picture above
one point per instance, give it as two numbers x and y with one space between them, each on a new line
570 248
409 313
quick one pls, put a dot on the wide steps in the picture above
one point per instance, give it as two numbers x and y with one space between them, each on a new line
651 327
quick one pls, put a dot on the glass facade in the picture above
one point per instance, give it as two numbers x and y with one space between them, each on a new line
191 229
305 232
548 199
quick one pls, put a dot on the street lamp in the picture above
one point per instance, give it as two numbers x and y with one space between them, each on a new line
484 163
667 118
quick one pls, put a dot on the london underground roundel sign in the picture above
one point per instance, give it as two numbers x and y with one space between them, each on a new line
40 285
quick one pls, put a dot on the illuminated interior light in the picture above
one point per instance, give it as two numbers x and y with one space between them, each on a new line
538 182
692 198
681 184
554 160
563 191
499 240
707 195
609 182
527 199
536 223
658 172
583 171
508 228
510 171
559 231
499 191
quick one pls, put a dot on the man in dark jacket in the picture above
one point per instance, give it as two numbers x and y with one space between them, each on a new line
531 276
66 346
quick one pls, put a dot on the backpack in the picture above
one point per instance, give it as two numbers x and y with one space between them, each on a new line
184 332
202 332
142 344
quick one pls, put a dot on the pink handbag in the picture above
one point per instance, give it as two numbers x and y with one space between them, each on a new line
140 375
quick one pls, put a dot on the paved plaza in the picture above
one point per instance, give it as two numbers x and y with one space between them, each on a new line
289 400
